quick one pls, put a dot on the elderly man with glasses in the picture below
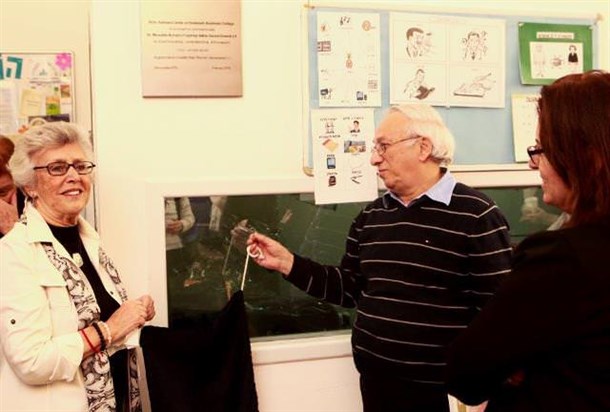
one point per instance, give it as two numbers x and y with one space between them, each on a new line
420 262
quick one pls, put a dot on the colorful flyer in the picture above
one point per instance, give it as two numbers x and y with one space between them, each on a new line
342 142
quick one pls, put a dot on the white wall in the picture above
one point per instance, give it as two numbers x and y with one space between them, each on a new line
144 143
254 137
46 26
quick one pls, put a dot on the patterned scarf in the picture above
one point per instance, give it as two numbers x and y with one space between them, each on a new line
96 368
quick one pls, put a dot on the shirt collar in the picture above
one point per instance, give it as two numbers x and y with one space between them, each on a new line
38 230
441 191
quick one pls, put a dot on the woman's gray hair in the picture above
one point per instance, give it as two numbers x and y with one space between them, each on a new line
47 136
424 120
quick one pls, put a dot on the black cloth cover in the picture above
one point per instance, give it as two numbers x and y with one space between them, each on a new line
203 366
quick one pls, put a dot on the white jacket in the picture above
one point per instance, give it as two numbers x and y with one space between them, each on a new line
41 349
178 209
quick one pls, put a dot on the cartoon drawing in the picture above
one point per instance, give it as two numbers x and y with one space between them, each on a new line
416 87
477 87
474 45
348 61
556 61
538 61
417 42
572 58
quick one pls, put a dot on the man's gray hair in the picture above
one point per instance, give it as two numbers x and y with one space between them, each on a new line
424 120
47 136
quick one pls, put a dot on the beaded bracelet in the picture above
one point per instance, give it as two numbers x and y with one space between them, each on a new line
82 332
108 333
100 334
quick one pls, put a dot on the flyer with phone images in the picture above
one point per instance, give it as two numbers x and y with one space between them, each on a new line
342 142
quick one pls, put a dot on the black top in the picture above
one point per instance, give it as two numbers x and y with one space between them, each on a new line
69 237
20 201
550 323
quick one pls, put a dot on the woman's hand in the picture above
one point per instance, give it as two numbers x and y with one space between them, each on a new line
149 305
271 254
130 316
174 226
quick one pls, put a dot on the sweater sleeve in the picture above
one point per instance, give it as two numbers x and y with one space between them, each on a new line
531 314
340 285
186 213
490 255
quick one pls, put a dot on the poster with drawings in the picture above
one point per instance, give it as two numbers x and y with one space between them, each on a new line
555 60
550 51
446 60
342 142
348 53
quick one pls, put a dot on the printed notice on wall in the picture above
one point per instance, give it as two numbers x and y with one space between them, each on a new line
35 88
525 123
342 141
191 48
349 66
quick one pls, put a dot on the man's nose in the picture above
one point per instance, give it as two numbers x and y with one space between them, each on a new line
375 158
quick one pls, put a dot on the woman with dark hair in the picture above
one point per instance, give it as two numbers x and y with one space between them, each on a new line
542 343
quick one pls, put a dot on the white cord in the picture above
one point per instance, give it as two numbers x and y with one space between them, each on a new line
254 252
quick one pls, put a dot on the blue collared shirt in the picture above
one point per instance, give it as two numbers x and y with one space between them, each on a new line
441 191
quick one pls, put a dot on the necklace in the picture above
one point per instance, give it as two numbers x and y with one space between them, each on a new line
69 237
78 259
77 256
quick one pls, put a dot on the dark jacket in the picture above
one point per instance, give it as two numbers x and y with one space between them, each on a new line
547 330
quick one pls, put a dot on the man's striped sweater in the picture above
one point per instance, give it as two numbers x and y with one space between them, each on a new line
417 276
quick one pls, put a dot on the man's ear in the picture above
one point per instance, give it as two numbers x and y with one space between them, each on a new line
425 149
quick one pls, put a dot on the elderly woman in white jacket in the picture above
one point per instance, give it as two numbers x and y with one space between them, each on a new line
64 314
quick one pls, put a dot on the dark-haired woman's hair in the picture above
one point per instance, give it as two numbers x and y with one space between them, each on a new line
574 131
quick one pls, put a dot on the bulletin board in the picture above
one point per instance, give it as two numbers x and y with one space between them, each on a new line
35 87
484 136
